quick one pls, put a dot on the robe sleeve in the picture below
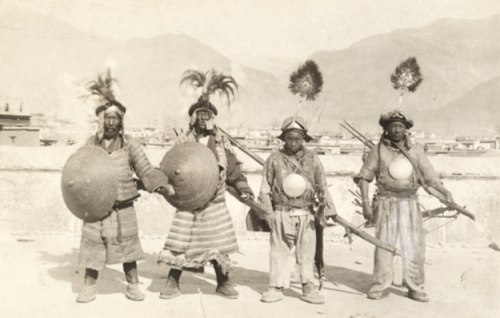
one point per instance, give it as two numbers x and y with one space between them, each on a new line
370 167
151 178
235 177
265 189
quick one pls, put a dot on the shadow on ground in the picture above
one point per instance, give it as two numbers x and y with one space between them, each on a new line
259 281
355 280
110 280
113 281
190 282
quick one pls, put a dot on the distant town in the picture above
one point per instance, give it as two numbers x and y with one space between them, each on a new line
18 128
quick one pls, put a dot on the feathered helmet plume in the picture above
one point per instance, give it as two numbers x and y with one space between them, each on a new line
307 81
406 77
102 87
211 82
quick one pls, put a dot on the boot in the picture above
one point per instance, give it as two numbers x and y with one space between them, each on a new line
224 286
377 295
418 296
311 295
172 289
273 295
89 291
133 292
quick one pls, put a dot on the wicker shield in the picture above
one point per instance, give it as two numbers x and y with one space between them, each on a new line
193 171
89 183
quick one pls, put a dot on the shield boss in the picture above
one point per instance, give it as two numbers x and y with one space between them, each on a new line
193 171
89 183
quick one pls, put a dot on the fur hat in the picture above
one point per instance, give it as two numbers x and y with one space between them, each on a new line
121 109
202 104
395 115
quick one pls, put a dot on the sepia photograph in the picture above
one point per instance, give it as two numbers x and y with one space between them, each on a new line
250 158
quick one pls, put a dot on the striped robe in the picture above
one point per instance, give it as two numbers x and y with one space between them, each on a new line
206 234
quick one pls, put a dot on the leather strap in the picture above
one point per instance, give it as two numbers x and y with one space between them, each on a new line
420 177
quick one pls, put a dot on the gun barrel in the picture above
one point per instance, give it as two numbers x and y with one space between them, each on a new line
242 148
452 205
365 236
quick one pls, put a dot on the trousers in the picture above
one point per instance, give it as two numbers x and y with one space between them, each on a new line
400 217
287 232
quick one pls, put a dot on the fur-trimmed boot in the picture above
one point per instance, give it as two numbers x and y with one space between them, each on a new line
172 288
133 292
311 295
224 286
89 291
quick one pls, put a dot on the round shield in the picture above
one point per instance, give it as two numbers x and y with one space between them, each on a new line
193 171
89 183
400 168
294 185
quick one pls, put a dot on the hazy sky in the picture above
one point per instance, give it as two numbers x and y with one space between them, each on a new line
246 30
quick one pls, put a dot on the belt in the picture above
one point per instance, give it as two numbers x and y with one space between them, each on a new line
393 192
295 211
398 194
298 212
122 205
285 207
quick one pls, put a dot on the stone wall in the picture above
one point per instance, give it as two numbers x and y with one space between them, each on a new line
20 136
30 187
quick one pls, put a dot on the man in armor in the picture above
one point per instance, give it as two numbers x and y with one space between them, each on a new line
396 211
207 233
114 239
293 184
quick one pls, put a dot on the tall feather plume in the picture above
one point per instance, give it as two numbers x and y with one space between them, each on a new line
212 82
406 77
195 78
307 81
102 87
